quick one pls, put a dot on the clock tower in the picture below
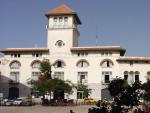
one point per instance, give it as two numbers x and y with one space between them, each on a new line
62 29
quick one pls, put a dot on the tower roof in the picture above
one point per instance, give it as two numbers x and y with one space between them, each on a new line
63 10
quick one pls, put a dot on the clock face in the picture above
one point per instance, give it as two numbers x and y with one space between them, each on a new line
59 43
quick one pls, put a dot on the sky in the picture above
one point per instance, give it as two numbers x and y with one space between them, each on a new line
124 23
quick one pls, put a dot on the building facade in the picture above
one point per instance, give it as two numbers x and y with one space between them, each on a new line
94 66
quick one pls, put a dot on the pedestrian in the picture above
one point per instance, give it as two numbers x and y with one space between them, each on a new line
135 111
89 110
71 111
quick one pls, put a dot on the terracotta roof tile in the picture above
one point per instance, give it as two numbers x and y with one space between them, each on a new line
62 9
99 48
23 49
134 59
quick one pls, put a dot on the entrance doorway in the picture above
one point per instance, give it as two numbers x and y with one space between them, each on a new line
105 94
13 92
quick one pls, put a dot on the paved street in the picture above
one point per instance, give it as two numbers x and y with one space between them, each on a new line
42 109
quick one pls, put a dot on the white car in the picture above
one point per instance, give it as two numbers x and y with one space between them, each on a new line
9 103
2 103
18 101
6 102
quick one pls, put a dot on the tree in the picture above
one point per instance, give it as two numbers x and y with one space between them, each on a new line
146 89
124 94
59 87
84 88
45 68
117 86
45 84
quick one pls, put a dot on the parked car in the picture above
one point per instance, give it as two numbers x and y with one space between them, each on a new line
3 101
90 100
18 102
8 103
27 103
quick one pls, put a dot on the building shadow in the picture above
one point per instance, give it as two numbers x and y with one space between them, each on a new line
13 89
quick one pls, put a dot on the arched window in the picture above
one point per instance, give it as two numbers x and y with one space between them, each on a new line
82 63
35 64
106 63
59 64
15 65
59 43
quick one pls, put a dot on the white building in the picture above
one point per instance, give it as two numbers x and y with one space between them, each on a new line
94 66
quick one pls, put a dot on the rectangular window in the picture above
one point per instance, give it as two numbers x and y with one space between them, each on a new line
14 76
59 75
55 20
106 53
80 95
148 75
110 53
131 63
137 78
83 54
15 55
35 75
106 77
65 21
60 21
102 53
36 54
125 77
131 78
82 77
12 55
18 55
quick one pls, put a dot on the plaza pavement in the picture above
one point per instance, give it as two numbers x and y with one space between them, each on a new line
43 109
